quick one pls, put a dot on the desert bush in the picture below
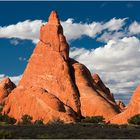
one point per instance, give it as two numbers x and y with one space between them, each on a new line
1 107
26 119
11 120
56 121
134 120
7 119
5 134
93 119
1 117
39 122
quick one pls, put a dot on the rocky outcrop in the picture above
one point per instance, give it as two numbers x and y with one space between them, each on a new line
92 99
6 86
55 86
47 70
121 105
39 104
48 67
132 109
104 91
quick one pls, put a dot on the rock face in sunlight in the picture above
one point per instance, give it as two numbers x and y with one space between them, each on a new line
132 109
55 86
6 86
46 90
93 100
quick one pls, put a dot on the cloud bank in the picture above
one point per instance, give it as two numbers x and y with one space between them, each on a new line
30 29
22 30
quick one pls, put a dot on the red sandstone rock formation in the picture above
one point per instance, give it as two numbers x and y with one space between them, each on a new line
92 101
121 105
54 86
6 86
47 70
132 109
48 66
37 103
101 87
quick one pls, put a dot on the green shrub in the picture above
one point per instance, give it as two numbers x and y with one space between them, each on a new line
93 119
56 121
7 119
134 120
39 122
11 120
26 119
1 117
5 134
1 107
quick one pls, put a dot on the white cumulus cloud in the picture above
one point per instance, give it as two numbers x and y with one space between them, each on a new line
74 30
22 30
30 29
115 24
106 36
134 28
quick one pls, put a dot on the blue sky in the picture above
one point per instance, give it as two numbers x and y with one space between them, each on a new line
102 35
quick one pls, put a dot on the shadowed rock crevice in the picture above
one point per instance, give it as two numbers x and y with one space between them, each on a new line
72 71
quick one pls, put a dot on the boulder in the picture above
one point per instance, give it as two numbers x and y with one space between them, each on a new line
121 105
6 86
